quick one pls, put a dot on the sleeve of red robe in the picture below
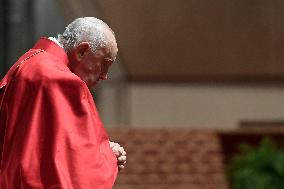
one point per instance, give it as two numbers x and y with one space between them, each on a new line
54 137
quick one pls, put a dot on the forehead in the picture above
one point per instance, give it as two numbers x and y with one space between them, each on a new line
110 51
112 45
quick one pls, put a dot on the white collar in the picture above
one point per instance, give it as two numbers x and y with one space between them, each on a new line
55 41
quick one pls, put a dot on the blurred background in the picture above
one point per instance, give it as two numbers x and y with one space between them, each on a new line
193 80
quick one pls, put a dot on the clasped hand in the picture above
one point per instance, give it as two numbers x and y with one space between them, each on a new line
119 153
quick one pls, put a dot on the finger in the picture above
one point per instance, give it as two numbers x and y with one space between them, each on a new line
120 167
123 153
116 152
121 150
121 163
116 145
122 158
111 144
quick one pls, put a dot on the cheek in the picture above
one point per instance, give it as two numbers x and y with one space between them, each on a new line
94 74
96 70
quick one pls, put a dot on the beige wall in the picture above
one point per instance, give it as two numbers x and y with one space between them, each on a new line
198 106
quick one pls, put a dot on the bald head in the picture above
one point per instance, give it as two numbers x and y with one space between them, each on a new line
111 45
92 30
91 48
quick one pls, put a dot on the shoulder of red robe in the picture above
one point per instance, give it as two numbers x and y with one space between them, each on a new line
14 68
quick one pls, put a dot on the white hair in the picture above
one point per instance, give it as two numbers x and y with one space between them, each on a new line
86 29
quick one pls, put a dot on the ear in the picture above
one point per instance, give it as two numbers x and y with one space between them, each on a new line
80 50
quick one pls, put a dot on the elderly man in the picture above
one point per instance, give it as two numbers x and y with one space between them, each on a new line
51 135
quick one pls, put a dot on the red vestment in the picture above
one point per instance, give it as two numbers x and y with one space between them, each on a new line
51 135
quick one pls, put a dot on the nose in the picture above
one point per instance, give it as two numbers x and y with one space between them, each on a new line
103 77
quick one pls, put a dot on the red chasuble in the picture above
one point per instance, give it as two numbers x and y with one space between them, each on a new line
51 135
